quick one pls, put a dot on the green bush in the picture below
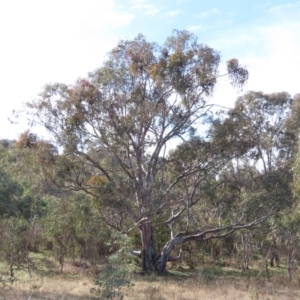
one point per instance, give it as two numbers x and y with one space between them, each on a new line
117 274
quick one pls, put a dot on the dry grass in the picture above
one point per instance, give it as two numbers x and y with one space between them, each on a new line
215 283
72 284
158 288
47 288
191 289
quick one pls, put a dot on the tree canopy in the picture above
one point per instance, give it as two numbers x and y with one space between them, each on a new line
113 133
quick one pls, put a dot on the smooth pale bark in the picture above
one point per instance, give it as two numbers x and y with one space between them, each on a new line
165 256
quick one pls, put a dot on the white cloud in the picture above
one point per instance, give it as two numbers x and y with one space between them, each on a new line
273 70
262 5
281 8
287 12
173 13
278 69
236 40
196 28
267 4
209 13
60 19
144 8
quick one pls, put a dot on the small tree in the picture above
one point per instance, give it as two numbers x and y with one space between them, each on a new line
118 273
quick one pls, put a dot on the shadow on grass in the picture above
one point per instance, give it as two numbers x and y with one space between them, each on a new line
211 273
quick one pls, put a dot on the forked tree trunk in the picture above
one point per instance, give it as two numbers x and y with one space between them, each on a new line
152 260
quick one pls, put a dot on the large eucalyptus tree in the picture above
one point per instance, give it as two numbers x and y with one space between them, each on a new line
114 131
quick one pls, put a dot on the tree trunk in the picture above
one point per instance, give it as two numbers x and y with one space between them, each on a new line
291 255
245 264
27 246
12 249
165 256
149 253
162 261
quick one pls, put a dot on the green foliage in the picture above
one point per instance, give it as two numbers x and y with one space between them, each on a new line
14 199
118 273
290 216
15 233
74 228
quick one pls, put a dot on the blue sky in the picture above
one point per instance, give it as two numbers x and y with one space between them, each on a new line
46 41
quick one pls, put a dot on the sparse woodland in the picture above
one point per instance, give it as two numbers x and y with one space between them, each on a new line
141 175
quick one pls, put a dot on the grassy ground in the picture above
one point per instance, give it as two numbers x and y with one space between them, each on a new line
213 281
215 284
